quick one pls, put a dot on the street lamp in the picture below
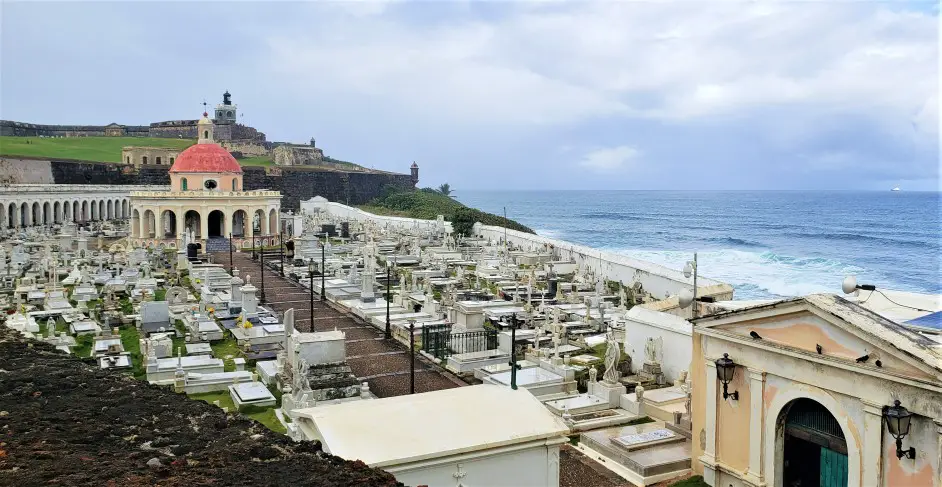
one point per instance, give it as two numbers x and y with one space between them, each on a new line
230 251
310 275
687 297
514 367
898 420
725 369
388 334
323 268
281 250
261 269
412 356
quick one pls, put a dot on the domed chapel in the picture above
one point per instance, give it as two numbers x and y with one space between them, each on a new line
206 201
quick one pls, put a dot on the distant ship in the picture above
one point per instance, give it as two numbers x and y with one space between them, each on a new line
895 188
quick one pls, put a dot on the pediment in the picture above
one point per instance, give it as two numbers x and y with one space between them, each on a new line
802 329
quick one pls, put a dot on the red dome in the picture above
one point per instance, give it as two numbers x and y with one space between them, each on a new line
206 158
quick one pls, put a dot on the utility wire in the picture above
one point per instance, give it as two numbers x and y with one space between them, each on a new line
898 304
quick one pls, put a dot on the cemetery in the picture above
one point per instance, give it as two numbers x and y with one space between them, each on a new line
403 307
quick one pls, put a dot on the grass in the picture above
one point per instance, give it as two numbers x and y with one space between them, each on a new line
263 161
222 348
266 417
131 340
427 204
695 481
100 149
83 345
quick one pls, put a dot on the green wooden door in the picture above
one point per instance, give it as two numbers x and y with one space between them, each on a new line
833 468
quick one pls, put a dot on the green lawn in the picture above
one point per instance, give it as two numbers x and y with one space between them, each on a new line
256 161
102 149
266 417
224 348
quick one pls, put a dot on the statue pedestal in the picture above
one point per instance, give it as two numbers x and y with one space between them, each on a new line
607 391
651 372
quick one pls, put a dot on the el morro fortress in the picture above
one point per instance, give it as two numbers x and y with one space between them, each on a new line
299 171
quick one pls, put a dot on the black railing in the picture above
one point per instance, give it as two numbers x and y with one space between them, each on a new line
440 342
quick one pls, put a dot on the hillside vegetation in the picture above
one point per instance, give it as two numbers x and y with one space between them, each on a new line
99 149
428 203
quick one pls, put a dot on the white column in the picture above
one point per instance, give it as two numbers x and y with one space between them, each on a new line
754 474
938 426
872 447
204 223
709 453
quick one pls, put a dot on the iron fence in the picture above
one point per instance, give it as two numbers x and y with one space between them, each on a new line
440 342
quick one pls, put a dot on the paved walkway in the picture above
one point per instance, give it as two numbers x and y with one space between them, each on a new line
384 364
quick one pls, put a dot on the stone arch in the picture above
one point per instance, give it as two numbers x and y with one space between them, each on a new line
239 219
774 430
11 215
124 208
57 212
192 221
47 213
150 224
76 209
136 224
66 208
101 209
259 223
168 224
235 184
25 212
273 222
109 210
37 215
216 221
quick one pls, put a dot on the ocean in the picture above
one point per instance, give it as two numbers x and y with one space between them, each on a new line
765 243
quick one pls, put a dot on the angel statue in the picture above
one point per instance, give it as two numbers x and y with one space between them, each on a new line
612 355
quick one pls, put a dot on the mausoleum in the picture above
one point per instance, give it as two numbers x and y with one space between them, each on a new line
206 201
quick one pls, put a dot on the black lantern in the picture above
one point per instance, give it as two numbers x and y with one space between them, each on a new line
897 422
725 369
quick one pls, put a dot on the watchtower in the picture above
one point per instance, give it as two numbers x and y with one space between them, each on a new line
414 170
226 111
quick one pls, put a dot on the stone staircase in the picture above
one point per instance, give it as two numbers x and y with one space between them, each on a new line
217 244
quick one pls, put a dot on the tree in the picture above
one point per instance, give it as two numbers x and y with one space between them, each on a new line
445 189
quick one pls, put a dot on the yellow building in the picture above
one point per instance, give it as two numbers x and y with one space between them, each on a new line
206 199
810 397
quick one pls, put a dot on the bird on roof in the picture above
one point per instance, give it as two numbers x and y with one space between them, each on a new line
755 335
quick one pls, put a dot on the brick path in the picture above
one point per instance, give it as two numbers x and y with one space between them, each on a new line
384 364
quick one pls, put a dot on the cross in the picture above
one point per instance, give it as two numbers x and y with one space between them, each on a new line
204 104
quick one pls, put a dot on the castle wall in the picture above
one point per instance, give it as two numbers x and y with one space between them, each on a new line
247 148
22 129
295 184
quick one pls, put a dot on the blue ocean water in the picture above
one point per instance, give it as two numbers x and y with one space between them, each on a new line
764 243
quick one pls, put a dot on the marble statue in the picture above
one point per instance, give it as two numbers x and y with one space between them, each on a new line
652 349
612 355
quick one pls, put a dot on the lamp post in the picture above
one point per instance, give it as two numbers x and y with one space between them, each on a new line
898 420
687 297
323 268
281 250
725 369
261 269
412 356
514 367
388 334
253 242
310 275
230 251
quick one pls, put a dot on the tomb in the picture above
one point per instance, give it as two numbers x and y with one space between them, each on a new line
251 394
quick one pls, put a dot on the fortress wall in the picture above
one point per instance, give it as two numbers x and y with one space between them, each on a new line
294 184
25 171
247 148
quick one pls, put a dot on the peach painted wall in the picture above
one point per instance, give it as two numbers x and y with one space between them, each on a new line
697 403
732 423
194 181
922 471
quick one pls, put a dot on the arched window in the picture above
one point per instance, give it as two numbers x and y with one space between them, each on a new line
206 134
145 160
129 159
158 160
235 184
171 161
183 184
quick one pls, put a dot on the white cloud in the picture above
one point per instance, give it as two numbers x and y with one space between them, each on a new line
609 159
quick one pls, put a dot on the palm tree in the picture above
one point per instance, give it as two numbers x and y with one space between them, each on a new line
445 189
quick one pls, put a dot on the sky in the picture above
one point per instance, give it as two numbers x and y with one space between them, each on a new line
533 95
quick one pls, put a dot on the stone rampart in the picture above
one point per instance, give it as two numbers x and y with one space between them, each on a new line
295 184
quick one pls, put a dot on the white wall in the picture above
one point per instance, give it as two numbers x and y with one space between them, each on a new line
347 212
533 467
676 334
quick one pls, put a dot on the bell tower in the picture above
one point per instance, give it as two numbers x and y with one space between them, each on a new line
205 129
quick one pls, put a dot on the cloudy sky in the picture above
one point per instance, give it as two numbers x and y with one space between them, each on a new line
516 95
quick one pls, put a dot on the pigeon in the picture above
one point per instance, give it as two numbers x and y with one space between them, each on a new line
819 348
863 359
755 335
